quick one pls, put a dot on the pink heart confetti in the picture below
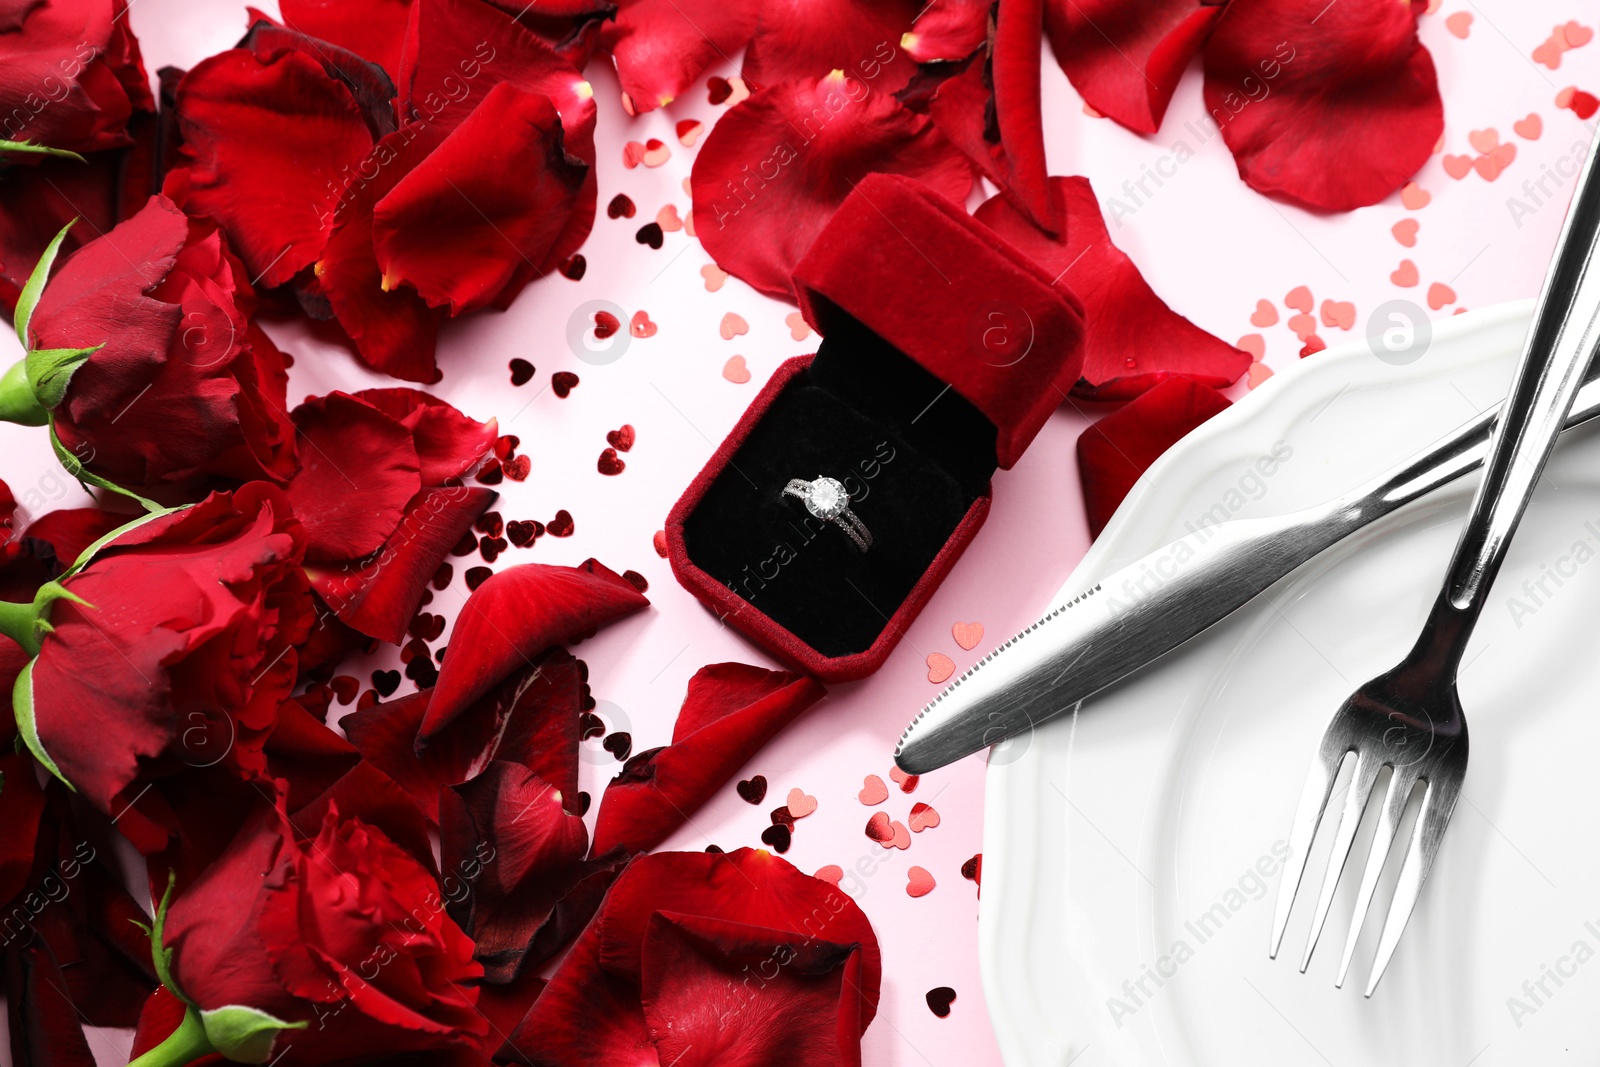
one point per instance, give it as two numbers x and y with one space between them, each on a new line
967 634
873 791
801 803
919 883
922 817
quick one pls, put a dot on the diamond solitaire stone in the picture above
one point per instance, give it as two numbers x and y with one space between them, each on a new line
826 499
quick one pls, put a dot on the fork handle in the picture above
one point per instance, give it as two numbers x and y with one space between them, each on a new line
1557 351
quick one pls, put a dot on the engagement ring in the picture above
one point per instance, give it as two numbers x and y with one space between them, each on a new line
827 500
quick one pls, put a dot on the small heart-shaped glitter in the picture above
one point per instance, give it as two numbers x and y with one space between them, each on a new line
919 882
732 326
521 371
621 438
832 874
1303 325
640 325
1264 315
906 782
967 634
610 463
873 791
1414 196
1252 343
689 131
799 328
939 1001
1340 313
1484 141
735 370
778 836
1258 373
619 744
1440 294
879 828
1299 298
801 803
752 790
714 275
1530 127
922 817
940 668
667 218
1457 167
1405 231
1405 275
1459 23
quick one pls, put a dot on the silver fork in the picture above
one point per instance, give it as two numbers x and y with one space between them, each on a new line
1409 719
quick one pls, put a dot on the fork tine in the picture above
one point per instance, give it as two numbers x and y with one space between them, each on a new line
1394 805
1437 805
1355 802
1313 799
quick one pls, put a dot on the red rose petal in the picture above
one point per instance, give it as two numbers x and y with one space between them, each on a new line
268 144
1126 59
730 711
359 469
758 231
659 51
1346 122
804 39
1115 451
518 613
1132 340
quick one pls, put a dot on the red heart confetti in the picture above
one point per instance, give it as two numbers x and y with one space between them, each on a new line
939 1001
521 371
689 131
967 634
621 207
562 525
778 836
640 325
610 463
922 817
562 382
753 789
621 438
906 782
919 882
801 803
873 791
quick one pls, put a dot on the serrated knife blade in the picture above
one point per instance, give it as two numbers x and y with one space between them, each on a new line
1099 632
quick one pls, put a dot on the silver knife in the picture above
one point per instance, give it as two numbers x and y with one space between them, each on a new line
1099 635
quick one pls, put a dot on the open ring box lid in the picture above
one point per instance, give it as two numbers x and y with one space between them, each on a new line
941 351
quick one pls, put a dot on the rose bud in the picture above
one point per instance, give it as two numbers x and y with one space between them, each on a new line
171 648
309 952
72 76
143 357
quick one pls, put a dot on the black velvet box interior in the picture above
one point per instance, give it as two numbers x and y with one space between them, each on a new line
912 453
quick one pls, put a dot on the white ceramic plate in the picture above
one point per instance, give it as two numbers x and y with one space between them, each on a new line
1125 912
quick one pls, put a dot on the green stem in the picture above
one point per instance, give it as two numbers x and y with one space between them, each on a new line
20 622
18 403
184 1045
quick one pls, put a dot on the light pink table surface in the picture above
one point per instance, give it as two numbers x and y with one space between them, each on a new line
1209 245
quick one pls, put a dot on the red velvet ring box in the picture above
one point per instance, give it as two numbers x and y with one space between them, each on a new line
941 346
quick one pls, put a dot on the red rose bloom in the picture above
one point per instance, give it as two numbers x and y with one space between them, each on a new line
177 651
344 934
70 74
185 386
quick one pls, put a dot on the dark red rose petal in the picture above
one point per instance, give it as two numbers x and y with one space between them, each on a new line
949 30
770 174
449 444
991 112
731 711
660 51
515 615
1125 60
805 39
268 144
497 193
515 851
1353 111
374 29
393 329
1116 450
358 471
1132 340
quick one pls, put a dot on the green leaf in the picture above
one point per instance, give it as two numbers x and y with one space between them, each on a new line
29 148
29 297
82 474
22 705
244 1034
51 369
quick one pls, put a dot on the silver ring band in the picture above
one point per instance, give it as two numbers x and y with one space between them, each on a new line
826 499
